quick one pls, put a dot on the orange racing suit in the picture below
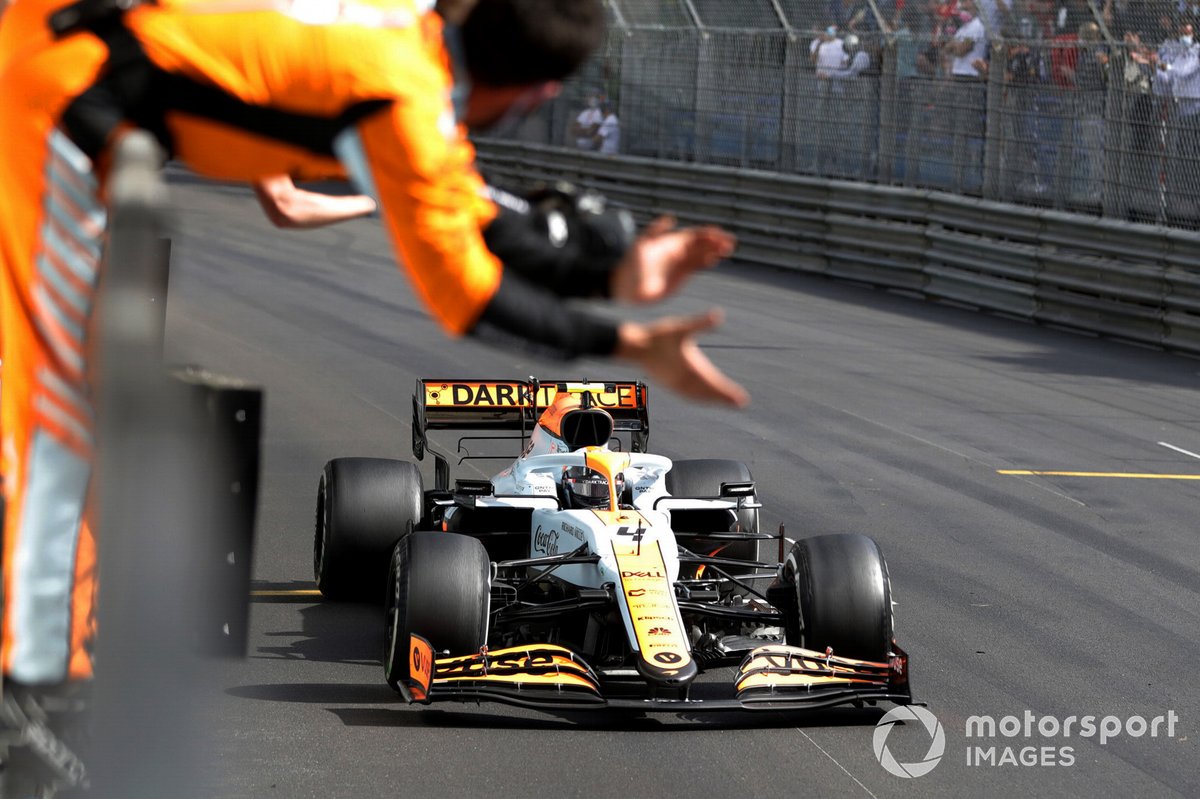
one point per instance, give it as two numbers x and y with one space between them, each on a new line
238 90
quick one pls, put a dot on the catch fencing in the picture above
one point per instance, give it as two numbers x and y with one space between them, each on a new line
1079 105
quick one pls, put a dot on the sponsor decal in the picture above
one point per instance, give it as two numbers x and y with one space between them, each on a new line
545 542
420 666
649 599
537 664
647 592
518 395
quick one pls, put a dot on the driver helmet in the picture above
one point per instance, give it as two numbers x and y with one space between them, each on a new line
586 489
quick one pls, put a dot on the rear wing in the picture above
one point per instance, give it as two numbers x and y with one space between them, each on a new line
517 405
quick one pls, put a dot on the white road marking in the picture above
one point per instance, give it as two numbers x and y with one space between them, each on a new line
836 763
1179 449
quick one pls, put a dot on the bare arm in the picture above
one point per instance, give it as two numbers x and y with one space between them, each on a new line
667 350
290 207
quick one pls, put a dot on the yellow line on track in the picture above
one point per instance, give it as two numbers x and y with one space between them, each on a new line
1126 475
295 592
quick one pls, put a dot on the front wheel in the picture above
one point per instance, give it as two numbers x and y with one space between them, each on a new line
843 596
439 588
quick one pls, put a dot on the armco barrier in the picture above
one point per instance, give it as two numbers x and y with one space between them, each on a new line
1125 280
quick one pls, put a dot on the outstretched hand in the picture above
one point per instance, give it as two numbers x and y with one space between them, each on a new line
667 350
663 258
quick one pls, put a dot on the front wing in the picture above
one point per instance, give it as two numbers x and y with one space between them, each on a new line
774 677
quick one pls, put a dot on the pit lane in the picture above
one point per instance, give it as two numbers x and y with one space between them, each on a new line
872 413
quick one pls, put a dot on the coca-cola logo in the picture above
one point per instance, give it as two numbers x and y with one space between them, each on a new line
546 542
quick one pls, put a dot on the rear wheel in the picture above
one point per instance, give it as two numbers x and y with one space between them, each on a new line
364 505
440 588
843 596
703 478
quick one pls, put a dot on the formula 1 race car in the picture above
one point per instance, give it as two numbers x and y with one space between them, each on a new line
589 573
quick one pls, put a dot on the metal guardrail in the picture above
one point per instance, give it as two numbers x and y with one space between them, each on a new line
1119 279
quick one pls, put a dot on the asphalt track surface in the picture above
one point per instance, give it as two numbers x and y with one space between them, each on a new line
872 412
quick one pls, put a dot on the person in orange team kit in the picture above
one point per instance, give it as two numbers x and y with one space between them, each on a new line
379 90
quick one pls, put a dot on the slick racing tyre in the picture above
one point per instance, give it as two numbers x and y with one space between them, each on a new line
703 478
364 505
439 588
843 596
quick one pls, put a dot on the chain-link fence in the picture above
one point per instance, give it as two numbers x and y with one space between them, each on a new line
1084 105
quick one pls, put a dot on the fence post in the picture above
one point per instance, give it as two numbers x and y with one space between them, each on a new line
888 90
787 106
994 124
1116 137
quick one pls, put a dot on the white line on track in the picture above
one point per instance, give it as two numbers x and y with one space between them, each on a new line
836 763
1179 449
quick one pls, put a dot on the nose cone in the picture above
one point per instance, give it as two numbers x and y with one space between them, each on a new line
665 675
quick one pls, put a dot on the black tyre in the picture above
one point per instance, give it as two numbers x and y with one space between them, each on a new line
364 505
703 478
843 596
440 588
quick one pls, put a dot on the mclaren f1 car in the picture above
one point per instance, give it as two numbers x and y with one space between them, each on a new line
589 573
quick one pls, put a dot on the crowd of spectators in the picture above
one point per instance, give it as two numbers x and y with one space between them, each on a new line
1061 62
1070 102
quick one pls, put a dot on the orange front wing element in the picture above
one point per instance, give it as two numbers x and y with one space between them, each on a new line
533 666
783 669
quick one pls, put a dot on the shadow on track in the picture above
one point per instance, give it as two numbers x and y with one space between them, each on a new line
604 720
330 632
